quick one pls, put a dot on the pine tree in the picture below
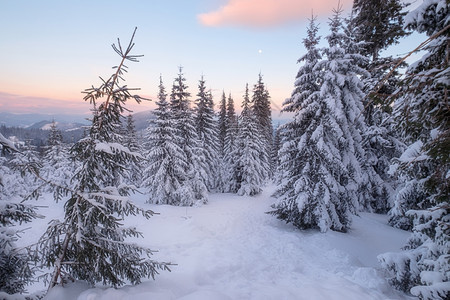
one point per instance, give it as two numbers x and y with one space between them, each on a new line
320 166
421 203
90 243
58 164
231 182
263 114
421 110
130 140
248 168
369 37
27 182
194 189
207 133
15 263
222 124
165 173
379 24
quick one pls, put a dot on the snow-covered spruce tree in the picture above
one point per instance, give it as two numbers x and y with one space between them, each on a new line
222 118
90 242
276 146
298 164
193 190
207 134
423 267
15 263
165 173
379 24
248 168
320 165
422 109
27 183
263 114
231 182
130 140
222 132
372 28
58 165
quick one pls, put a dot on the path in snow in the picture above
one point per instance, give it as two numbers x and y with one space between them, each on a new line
231 249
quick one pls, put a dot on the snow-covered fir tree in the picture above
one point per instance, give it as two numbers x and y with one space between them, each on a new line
421 111
27 182
320 167
421 203
130 140
194 190
379 24
276 146
263 114
90 243
165 173
58 164
372 28
207 132
16 269
248 167
222 119
230 180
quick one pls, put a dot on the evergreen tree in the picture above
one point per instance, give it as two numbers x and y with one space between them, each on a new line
231 183
194 189
421 203
276 147
90 242
320 155
374 27
58 164
207 133
15 263
248 168
222 124
165 173
263 114
421 110
130 140
378 23
27 182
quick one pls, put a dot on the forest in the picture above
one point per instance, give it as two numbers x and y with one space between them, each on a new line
368 134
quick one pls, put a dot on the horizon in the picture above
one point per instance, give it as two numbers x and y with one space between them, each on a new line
56 50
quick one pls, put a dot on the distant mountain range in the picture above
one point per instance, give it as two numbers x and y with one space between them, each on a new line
31 120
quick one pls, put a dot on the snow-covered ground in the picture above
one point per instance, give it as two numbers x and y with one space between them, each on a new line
231 249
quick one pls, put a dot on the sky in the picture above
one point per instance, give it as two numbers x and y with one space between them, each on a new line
52 50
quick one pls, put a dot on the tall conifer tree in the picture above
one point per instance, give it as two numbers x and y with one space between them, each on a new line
195 189
321 150
165 173
90 242
263 114
422 201
207 133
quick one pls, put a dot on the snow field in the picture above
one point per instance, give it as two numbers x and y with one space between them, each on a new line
231 249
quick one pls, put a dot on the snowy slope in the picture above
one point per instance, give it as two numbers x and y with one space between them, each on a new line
231 249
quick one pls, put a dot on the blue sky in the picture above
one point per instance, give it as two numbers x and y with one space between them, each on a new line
52 50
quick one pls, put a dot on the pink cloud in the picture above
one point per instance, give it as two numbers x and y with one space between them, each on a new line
267 13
